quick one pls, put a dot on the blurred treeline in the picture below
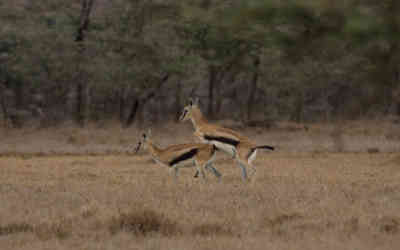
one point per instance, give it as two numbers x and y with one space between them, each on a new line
253 60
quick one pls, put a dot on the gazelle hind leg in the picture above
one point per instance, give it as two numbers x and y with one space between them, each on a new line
245 155
252 172
242 166
252 168
174 170
210 168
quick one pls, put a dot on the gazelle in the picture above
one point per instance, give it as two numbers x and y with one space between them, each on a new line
199 155
238 146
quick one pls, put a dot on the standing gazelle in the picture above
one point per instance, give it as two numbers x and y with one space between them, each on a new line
197 155
235 144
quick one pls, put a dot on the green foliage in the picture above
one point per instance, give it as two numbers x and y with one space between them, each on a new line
304 46
363 28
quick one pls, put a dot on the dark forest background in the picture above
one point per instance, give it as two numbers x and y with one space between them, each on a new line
253 61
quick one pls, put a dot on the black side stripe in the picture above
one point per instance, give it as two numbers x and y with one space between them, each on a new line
214 149
225 140
184 156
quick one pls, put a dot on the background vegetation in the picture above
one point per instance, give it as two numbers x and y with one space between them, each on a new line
134 60
327 71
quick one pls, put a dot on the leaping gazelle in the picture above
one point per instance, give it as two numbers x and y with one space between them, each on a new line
199 155
238 146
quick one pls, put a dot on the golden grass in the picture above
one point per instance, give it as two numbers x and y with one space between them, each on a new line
307 200
110 138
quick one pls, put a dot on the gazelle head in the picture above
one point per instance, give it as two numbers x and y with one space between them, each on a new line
143 141
187 110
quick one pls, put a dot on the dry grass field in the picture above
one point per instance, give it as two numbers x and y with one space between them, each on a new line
106 198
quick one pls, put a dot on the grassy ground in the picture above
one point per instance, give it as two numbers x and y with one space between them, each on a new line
356 136
296 201
324 188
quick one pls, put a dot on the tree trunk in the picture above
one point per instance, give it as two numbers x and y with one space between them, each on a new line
19 95
218 101
298 115
141 101
211 85
82 103
87 99
121 105
253 88
392 60
178 105
84 19
4 107
132 113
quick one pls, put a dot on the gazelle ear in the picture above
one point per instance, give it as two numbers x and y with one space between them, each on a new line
193 101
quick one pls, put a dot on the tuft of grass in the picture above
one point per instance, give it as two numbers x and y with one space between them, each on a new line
89 210
72 139
60 229
277 224
352 225
373 150
142 223
208 229
388 224
282 219
13 228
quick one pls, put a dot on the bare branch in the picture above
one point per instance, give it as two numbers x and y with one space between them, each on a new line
84 19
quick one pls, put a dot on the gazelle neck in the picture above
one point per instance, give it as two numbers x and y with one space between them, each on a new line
197 118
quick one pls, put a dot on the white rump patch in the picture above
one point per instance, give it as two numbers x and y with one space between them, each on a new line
227 148
252 157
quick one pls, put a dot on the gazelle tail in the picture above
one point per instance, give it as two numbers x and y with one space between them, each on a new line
265 147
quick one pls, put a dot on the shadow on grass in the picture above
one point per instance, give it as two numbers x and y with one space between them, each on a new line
143 223
14 228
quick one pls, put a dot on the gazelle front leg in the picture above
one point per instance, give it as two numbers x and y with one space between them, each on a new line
210 168
174 171
243 166
199 168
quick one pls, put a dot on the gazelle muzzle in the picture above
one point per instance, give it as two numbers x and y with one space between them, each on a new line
183 115
138 147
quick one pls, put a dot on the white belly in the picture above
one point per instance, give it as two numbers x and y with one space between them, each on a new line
189 163
182 164
229 149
